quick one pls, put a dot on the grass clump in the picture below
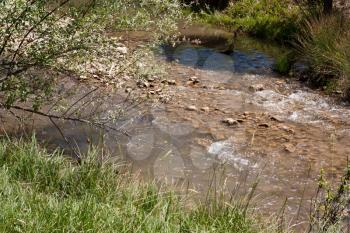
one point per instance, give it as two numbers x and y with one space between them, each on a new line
324 42
43 192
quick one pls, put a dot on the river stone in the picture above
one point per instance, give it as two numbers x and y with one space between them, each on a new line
205 109
172 82
143 84
194 79
230 121
256 87
191 108
277 119
289 148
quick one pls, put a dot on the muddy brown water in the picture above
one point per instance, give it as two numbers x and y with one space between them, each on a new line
285 135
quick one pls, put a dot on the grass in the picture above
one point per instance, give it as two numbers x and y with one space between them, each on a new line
45 192
325 43
267 19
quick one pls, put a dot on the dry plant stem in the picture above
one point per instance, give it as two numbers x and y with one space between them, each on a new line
97 124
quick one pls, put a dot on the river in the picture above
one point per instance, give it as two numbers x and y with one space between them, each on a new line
229 114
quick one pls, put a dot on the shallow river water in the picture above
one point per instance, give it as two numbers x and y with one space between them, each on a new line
285 133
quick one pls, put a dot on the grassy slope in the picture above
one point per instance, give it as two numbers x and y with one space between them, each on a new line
41 192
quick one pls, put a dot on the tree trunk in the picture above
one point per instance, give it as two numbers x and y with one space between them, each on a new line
327 7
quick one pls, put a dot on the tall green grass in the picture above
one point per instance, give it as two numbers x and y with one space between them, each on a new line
267 19
324 42
45 192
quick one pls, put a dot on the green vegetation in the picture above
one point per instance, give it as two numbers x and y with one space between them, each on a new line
41 38
267 19
44 192
325 43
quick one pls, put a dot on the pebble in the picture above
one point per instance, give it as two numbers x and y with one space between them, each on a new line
205 109
191 108
257 87
128 90
287 129
194 79
122 50
230 121
172 82
289 148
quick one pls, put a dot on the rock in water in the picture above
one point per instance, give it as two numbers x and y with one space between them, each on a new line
194 79
172 82
257 87
230 121
205 109
191 108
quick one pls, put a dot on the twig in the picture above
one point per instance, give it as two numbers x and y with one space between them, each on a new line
66 140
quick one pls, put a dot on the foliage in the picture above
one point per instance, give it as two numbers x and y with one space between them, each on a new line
42 192
284 63
38 37
330 204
